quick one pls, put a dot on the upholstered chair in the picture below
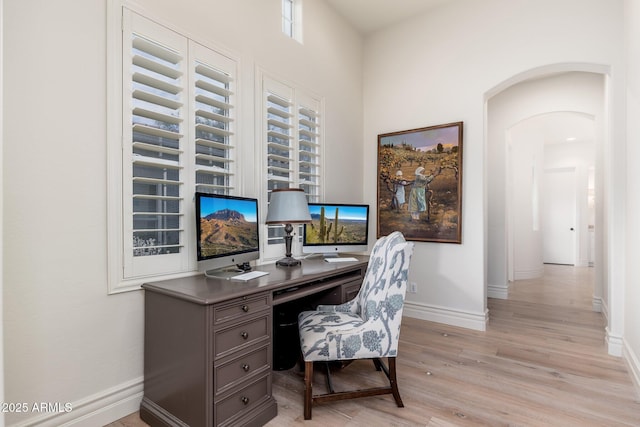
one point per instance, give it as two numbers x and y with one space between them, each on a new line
367 327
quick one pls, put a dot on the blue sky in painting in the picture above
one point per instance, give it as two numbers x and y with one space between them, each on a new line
425 140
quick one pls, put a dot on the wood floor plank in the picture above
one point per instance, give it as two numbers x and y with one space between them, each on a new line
542 362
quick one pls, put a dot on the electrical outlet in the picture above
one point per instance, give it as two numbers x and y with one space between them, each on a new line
413 287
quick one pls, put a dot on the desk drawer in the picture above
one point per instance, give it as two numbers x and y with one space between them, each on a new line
240 307
239 403
350 290
228 340
230 373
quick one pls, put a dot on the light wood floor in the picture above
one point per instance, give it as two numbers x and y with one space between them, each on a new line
541 362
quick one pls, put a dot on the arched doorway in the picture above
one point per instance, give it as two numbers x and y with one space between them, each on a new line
531 102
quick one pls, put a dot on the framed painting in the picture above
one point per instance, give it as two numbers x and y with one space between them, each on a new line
420 183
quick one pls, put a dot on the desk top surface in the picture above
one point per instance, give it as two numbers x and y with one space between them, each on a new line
203 290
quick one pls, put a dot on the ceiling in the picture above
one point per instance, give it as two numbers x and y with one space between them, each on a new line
560 127
368 16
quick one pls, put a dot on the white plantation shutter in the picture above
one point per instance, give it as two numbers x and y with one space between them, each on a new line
156 141
293 146
155 77
309 153
178 99
279 143
214 121
280 146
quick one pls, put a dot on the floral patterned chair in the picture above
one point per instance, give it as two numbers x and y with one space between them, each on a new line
367 327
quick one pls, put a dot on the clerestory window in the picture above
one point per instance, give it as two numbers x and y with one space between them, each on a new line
292 19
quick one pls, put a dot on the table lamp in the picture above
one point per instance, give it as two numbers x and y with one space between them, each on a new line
288 206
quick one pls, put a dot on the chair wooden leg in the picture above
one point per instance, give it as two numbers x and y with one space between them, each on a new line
308 391
389 371
329 381
393 380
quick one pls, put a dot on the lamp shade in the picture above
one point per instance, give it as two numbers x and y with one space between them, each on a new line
288 206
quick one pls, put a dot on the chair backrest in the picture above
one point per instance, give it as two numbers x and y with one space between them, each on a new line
386 274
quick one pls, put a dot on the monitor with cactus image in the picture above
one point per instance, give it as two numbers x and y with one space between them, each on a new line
336 228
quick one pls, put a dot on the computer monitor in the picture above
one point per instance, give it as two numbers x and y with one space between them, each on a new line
336 228
227 234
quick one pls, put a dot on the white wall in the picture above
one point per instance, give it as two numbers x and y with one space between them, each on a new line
439 68
632 288
525 159
65 339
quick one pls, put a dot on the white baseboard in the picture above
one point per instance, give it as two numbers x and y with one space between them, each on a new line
597 305
96 410
498 291
463 319
633 364
614 343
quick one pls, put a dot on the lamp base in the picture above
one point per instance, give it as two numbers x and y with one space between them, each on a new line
288 262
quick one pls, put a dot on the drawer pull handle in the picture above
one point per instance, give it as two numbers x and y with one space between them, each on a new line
245 400
245 308
244 334
245 367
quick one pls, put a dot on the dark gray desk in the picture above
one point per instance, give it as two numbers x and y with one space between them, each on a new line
208 353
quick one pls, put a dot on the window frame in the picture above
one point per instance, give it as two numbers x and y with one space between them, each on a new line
291 25
298 97
119 203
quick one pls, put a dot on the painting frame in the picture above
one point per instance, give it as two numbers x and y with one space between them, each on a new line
419 183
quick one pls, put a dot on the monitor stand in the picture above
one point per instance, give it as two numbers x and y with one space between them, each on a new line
226 273
331 255
222 273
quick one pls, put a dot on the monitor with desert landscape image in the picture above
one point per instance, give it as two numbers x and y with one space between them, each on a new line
227 233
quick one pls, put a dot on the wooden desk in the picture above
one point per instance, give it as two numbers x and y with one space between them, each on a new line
209 342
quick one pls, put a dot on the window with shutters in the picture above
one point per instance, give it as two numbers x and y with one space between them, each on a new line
177 138
293 147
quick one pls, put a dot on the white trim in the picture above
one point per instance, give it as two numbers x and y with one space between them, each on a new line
615 343
96 410
596 304
498 291
2 367
114 146
633 363
463 319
